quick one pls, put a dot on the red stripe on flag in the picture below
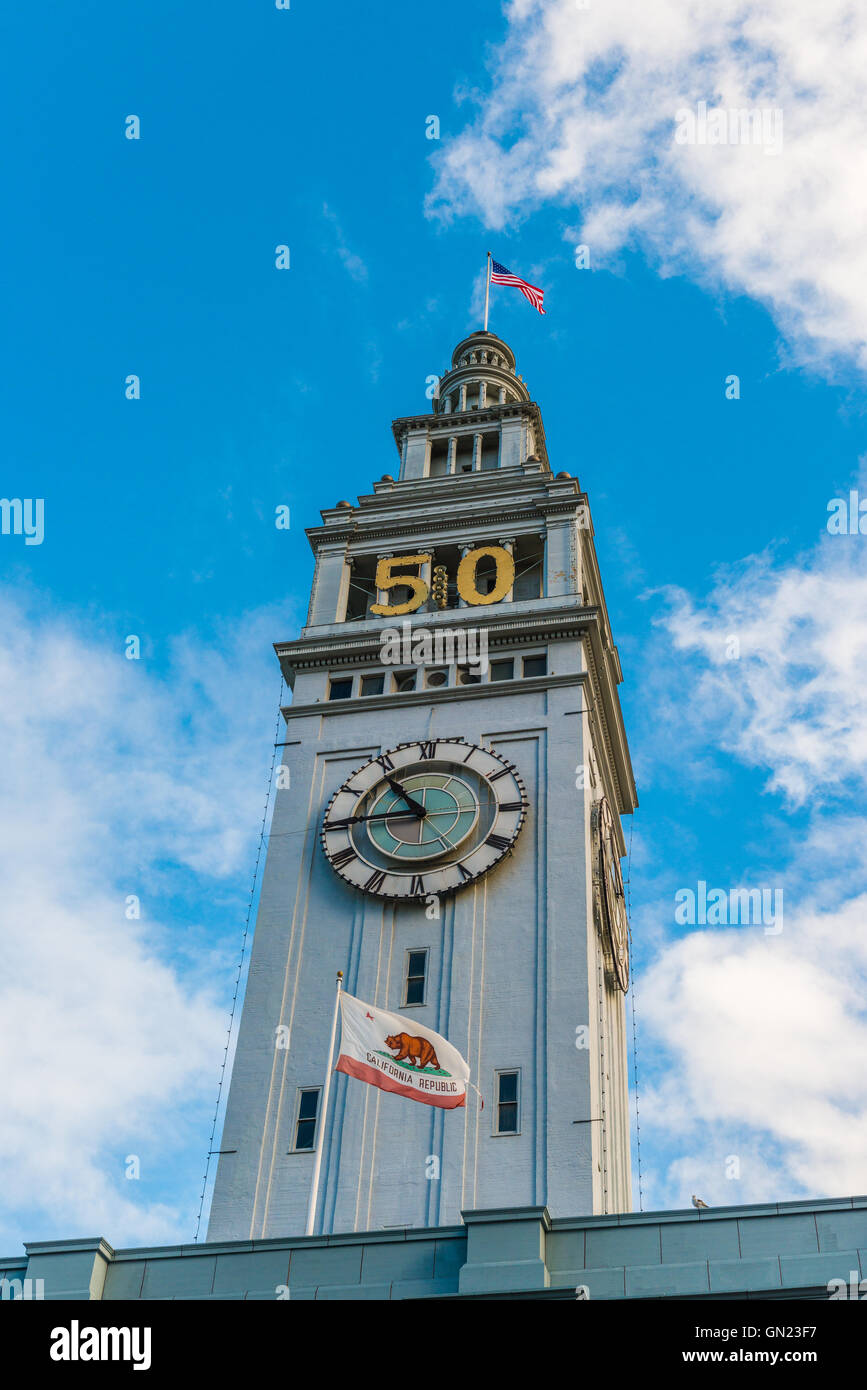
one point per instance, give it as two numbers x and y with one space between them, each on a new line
362 1071
530 292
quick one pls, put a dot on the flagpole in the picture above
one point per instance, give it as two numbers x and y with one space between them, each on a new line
326 1090
487 290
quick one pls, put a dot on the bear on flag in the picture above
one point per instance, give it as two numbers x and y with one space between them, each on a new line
375 1047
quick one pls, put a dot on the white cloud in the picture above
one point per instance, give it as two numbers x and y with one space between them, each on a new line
795 700
582 112
754 1040
118 781
351 261
763 1037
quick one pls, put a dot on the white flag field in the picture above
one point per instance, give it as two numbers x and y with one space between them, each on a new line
398 1054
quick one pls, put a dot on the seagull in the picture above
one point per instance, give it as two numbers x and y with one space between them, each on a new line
698 1203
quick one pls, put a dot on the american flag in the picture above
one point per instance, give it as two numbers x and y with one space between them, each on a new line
501 276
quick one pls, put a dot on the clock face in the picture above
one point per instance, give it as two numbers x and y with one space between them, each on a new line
426 817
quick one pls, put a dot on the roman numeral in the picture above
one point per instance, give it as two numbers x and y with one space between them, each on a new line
465 875
354 791
416 887
427 750
469 755
512 806
375 882
345 856
498 842
385 762
495 776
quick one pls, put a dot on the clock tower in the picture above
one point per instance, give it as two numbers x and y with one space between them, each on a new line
447 833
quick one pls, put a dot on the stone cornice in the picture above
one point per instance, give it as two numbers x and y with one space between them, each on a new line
503 630
457 418
499 496
529 519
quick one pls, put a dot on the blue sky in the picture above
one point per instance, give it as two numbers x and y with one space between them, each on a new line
261 127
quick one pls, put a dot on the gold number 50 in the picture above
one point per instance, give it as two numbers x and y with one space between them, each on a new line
387 579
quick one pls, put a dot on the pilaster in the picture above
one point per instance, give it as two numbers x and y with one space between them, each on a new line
505 1250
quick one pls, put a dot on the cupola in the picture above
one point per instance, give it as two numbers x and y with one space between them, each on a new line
482 375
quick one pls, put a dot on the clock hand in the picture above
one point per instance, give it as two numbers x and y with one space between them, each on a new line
381 815
415 806
387 815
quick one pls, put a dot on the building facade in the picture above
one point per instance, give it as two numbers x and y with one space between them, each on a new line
447 833
786 1250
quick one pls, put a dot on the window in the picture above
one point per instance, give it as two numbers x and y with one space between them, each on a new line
467 677
362 591
340 689
464 454
372 685
507 1102
305 1124
404 680
416 977
529 567
439 458
502 670
535 665
437 678
490 445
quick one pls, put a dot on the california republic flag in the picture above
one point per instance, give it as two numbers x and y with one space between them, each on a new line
398 1054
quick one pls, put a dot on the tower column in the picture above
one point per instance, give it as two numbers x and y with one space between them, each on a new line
512 446
416 454
477 452
465 547
509 546
330 585
426 572
561 558
453 453
383 595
